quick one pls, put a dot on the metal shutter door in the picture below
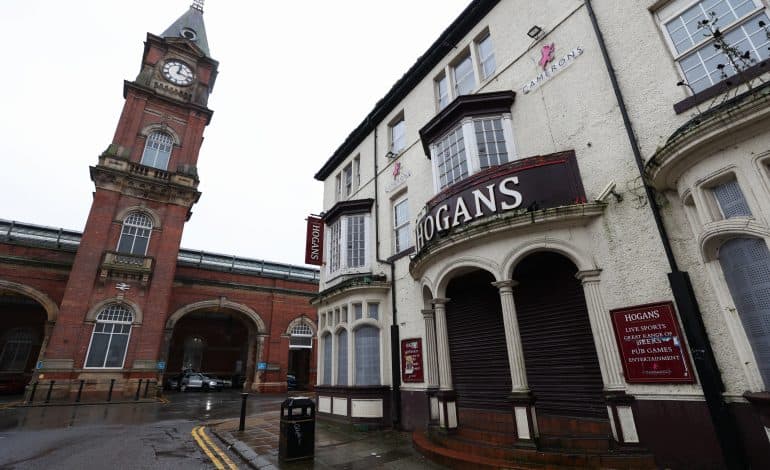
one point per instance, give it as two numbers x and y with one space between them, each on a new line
746 265
477 350
559 352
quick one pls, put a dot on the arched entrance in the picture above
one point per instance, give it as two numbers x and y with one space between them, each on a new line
477 348
218 338
22 332
560 356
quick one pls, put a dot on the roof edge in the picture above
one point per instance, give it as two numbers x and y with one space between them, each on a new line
461 26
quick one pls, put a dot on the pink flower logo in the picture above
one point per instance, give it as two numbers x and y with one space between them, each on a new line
396 169
546 54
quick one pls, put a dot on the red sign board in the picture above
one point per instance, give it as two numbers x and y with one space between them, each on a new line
411 360
314 251
651 345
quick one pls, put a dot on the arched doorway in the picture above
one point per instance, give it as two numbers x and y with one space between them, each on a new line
477 349
213 342
560 357
22 329
300 354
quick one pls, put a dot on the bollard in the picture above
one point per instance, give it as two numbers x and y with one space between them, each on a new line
32 393
146 386
138 389
109 395
80 391
242 425
50 389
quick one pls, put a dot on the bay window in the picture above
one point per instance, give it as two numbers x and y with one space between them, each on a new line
472 145
347 244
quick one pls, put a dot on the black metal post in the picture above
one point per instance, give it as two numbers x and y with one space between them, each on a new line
146 387
109 395
139 389
32 393
80 391
242 425
50 389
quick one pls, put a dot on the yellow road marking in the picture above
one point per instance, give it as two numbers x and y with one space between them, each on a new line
205 449
216 448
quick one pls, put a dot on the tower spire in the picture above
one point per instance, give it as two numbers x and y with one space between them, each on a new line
190 26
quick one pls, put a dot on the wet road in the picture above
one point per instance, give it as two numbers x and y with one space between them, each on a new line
120 436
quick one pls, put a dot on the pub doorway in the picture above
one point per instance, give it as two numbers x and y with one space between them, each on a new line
478 353
562 366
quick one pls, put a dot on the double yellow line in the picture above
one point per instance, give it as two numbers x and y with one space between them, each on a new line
210 449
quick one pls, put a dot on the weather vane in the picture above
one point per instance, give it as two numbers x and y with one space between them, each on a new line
198 5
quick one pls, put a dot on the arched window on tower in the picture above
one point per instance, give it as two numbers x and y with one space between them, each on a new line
16 346
157 150
109 339
135 235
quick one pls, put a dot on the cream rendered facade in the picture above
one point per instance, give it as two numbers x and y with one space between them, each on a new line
616 252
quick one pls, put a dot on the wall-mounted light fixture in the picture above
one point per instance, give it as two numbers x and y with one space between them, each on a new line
390 154
535 32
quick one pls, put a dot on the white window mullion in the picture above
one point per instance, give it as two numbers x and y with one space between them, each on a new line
471 148
507 123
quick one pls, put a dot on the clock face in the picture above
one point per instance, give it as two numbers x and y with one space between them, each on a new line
178 72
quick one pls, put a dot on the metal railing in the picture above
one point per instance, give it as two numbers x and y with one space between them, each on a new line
97 391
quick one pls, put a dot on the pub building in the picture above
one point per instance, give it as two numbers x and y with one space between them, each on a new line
539 250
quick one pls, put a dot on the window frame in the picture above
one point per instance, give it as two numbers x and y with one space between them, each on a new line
112 333
472 158
485 36
405 225
664 18
163 139
24 339
397 133
128 224
356 376
340 251
448 76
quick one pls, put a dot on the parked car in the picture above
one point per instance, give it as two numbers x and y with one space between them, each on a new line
173 382
291 382
198 381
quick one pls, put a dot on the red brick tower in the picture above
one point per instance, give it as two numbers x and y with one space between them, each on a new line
117 298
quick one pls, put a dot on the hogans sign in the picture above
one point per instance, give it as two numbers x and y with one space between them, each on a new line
524 185
651 345
314 241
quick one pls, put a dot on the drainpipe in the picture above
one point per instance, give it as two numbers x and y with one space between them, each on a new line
700 347
395 357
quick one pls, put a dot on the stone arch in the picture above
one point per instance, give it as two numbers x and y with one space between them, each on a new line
161 127
581 260
121 216
217 304
300 320
51 309
715 237
427 296
461 266
94 311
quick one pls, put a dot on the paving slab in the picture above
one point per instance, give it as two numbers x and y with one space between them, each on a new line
338 447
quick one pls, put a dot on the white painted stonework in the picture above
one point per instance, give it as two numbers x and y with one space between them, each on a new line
340 406
325 404
365 408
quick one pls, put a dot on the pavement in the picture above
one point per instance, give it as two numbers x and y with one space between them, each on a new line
336 446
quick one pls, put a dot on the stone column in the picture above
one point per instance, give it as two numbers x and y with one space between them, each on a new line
442 345
351 357
521 398
431 361
513 337
259 353
601 327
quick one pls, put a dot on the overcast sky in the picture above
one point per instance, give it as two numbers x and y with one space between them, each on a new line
295 77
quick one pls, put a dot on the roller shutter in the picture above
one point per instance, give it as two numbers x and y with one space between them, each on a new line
477 349
562 366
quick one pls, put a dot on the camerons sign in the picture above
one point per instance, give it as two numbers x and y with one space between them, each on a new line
525 185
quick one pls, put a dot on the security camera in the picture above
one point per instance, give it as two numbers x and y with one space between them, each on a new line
609 189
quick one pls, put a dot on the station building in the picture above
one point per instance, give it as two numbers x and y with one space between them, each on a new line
547 243
119 304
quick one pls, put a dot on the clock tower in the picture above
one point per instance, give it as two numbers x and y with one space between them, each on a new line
110 328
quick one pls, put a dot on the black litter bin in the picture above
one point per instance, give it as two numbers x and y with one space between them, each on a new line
297 438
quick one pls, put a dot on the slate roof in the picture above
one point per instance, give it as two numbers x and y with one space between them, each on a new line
192 19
